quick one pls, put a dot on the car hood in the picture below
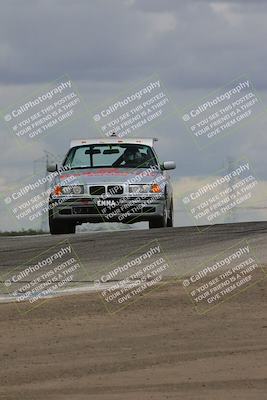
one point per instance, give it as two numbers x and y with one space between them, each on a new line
96 176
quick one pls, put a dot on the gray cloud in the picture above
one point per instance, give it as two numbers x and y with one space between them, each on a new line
192 44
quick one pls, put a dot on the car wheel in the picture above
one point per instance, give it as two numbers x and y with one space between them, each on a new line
159 222
170 217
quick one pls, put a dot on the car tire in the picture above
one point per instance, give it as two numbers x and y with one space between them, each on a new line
170 217
159 222
61 227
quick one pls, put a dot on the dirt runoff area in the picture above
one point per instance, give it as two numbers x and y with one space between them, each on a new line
158 348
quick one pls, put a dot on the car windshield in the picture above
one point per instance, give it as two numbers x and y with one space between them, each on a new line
111 156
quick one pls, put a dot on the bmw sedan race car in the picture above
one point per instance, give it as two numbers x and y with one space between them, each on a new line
110 180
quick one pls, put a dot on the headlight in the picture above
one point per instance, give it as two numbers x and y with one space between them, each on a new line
153 188
139 189
77 189
66 190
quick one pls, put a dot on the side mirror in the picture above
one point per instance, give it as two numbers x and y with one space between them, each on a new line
51 168
168 165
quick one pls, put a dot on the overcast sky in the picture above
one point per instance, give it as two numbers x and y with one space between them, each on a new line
106 46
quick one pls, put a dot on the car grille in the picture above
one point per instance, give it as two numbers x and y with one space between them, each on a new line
115 189
97 190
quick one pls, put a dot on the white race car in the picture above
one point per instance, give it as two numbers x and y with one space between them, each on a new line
110 180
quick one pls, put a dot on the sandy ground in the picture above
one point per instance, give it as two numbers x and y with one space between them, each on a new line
158 348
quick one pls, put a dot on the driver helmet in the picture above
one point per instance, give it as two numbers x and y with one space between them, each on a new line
132 155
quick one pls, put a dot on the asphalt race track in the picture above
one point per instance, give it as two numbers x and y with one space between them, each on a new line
186 248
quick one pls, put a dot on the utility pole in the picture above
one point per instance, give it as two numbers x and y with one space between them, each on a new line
230 168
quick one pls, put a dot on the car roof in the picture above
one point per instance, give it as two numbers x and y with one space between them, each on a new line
113 140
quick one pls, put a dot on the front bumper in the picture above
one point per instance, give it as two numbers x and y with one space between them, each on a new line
114 209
